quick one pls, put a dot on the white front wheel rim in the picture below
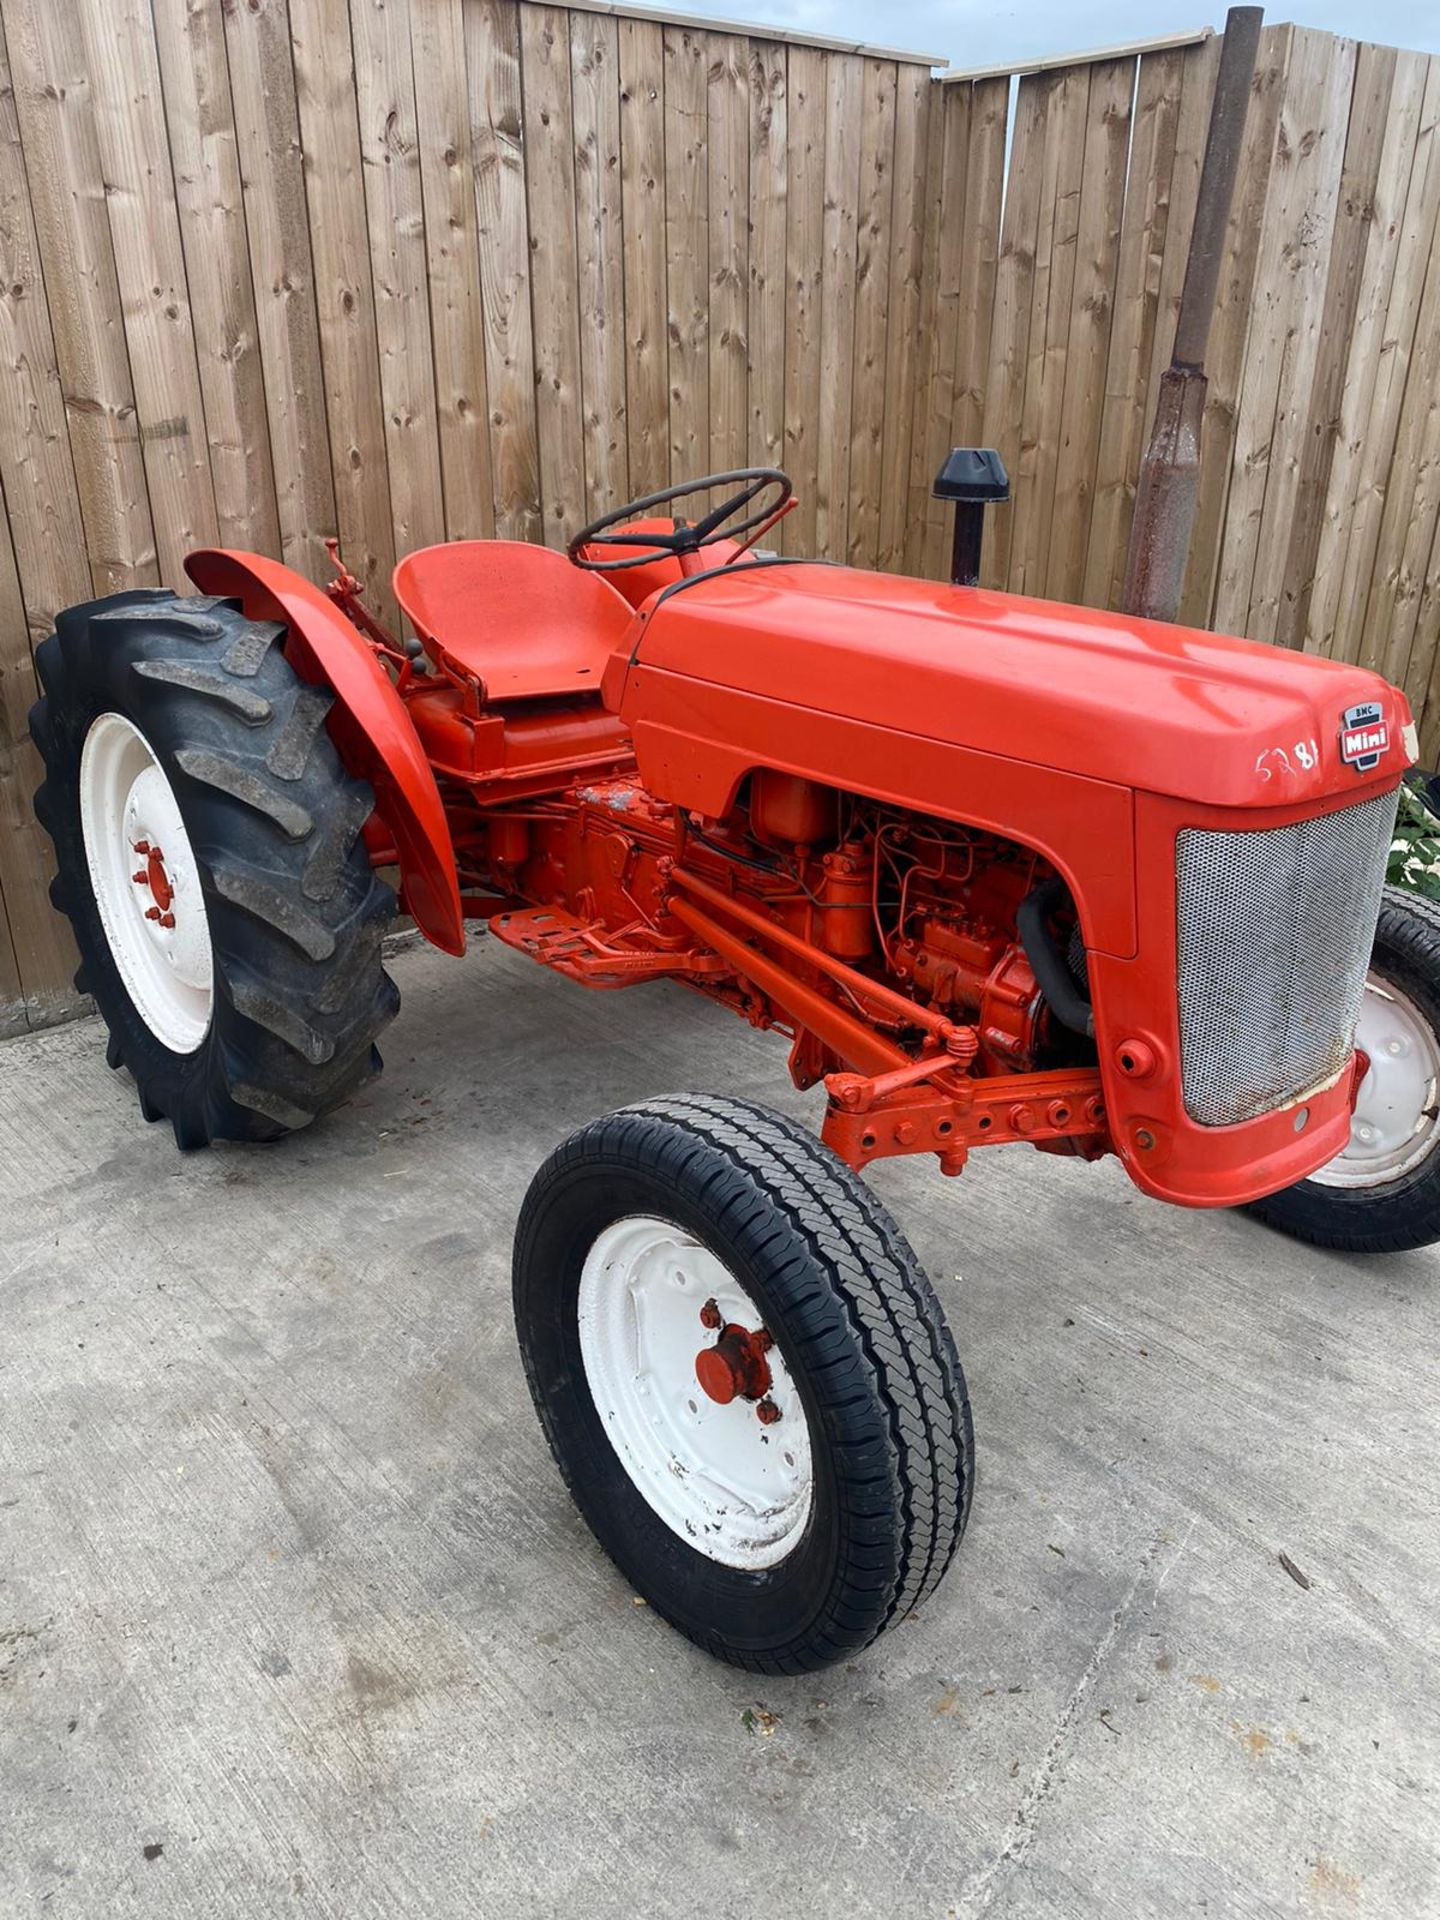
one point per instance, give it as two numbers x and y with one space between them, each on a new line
736 1488
1393 1126
146 883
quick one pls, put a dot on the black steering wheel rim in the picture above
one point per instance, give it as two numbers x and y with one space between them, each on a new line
749 482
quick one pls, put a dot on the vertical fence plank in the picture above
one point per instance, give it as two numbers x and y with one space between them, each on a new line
119 42
1412 502
728 195
804 258
267 132
1354 215
986 131
67 189
1132 331
642 171
452 261
41 503
1402 238
1102 195
687 246
595 91
1197 90
1014 298
395 221
1063 170
929 403
1225 358
492 58
769 200
37 955
550 192
344 295
843 112
1309 260
204 153
913 90
42 500
872 311
1284 331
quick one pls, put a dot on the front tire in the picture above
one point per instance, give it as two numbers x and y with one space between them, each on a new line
1382 1193
210 861
745 1378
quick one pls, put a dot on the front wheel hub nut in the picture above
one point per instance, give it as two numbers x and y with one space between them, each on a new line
735 1367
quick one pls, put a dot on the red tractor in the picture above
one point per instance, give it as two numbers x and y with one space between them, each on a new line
998 870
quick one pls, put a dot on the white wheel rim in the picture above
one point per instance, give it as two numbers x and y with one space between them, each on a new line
146 883
1393 1126
736 1489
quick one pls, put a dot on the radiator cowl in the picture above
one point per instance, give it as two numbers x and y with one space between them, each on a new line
1275 929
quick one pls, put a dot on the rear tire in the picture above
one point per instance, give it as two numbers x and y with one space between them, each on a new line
778 1537
1382 1194
264 909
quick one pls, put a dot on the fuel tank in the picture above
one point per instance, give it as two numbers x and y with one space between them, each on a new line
1134 703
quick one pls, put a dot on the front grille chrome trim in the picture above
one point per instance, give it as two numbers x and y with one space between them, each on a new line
1274 931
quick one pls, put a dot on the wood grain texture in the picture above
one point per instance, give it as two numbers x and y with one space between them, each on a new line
769 203
555 323
452 254
55 105
1402 238
903 346
399 267
1014 300
1132 330
805 257
119 49
195 73
600 267
267 134
687 248
642 172
41 496
1355 214
344 293
727 147
843 115
1097 249
869 397
1226 356
492 56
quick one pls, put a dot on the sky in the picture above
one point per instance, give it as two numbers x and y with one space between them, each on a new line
987 33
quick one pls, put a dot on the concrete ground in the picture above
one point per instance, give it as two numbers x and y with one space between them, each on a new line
295 1615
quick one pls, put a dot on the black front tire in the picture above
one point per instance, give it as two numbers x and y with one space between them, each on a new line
861 1335
1402 1213
294 911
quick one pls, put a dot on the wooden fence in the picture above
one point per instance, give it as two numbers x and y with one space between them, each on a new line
408 270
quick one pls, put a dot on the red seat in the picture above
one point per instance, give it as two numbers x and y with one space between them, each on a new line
524 619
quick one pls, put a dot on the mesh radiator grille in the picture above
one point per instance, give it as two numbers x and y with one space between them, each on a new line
1275 931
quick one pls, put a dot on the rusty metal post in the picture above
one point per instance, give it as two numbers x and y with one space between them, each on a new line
1168 492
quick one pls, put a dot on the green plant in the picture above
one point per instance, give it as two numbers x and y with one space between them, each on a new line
1415 850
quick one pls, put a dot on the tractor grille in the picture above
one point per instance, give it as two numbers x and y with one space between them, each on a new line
1275 931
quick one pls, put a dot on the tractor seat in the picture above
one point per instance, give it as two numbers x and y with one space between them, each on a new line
526 621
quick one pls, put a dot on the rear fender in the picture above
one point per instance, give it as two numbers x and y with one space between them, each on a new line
368 724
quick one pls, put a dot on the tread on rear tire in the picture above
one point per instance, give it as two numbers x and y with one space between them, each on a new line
855 1323
295 914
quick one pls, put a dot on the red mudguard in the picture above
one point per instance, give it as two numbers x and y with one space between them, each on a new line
368 723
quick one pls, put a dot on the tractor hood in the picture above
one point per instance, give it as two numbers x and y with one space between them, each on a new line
1139 703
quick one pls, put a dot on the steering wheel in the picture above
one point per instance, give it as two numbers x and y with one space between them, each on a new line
749 484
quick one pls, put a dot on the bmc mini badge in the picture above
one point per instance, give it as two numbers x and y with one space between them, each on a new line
1364 736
